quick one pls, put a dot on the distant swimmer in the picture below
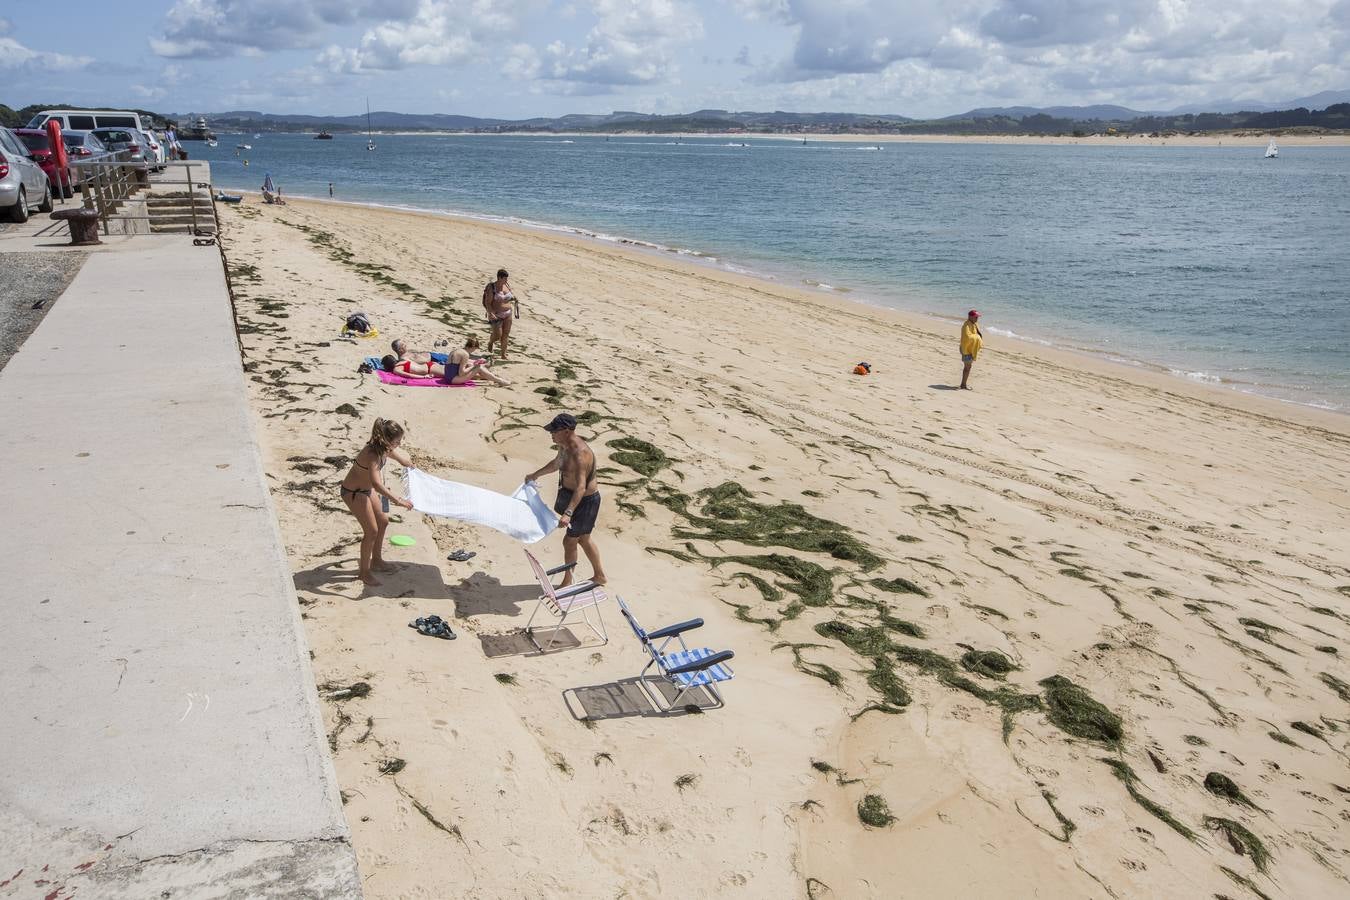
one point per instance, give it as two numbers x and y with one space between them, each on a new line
972 339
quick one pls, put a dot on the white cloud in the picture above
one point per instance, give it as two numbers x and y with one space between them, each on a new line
218 28
16 57
633 42
439 33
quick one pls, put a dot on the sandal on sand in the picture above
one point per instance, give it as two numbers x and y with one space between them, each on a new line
433 626
461 555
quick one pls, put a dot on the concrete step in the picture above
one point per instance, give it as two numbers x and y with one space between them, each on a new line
157 228
183 220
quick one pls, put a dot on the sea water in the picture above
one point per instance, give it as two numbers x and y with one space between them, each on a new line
1211 263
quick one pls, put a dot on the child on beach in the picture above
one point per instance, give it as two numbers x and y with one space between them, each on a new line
463 367
358 491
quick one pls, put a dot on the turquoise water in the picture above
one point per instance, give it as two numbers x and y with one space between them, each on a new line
1211 263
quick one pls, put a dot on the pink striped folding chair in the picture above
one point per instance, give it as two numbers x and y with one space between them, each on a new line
575 598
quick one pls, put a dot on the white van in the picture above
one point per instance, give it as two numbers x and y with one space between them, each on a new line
89 119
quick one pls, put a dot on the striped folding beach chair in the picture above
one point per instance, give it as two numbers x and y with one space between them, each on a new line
575 598
683 669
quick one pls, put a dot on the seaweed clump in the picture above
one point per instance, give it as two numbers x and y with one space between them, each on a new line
1073 710
1220 785
898 586
1340 687
1123 771
989 663
874 812
644 458
1243 842
730 514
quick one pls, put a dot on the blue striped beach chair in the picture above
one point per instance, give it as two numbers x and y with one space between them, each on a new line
563 603
683 669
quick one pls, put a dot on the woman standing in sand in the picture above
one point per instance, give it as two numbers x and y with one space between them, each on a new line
463 367
502 306
358 491
972 339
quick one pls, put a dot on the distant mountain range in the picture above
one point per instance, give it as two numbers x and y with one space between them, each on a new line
728 120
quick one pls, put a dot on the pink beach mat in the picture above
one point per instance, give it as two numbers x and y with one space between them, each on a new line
391 378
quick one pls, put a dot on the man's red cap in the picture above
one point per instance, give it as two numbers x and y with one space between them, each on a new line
974 313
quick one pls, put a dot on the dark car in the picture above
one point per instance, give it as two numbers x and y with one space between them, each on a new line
116 139
40 146
81 145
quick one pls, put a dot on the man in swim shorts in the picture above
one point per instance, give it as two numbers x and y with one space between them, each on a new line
578 503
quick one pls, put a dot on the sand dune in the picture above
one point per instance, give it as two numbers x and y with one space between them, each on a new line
1078 632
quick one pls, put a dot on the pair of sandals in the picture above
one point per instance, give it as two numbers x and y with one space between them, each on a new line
433 626
461 556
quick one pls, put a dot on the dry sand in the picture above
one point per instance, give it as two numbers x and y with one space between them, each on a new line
1177 553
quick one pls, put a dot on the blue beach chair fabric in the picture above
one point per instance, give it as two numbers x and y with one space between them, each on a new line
683 669
563 602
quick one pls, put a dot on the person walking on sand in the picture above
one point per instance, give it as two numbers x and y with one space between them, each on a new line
501 306
972 339
578 503
363 481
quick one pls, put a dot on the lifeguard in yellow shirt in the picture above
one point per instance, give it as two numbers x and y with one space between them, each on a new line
972 339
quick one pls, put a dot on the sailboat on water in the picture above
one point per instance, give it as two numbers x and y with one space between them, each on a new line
1272 151
370 142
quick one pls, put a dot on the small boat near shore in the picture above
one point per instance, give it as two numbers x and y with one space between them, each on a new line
222 197
1272 151
243 146
323 136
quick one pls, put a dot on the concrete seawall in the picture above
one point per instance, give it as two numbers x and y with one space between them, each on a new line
161 726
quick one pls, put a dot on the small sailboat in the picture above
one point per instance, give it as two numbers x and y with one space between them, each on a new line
1272 151
370 142
243 146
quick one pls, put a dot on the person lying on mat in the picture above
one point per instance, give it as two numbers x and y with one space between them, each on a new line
412 369
400 348
464 367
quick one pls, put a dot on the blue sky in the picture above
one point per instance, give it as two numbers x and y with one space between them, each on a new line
519 58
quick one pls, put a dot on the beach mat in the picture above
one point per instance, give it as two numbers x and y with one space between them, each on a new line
392 378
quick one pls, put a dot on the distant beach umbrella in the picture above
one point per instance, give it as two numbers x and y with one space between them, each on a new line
267 184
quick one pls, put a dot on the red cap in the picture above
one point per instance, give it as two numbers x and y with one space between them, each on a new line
974 314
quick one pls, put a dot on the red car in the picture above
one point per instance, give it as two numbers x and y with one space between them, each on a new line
35 139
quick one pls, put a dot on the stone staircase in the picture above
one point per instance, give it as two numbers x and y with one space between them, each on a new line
171 212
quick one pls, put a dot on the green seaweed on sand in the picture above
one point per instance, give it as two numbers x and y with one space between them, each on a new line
686 780
562 371
1310 730
898 585
827 674
347 409
1244 881
989 663
812 583
884 681
392 766
987 610
1243 842
886 620
1123 771
1282 738
1221 785
505 678
874 812
640 456
730 514
1074 711
1195 740
1340 687
1064 821
811 493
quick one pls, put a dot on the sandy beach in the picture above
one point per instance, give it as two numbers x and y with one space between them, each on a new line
1076 633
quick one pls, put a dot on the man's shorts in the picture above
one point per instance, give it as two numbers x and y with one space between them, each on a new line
966 357
583 518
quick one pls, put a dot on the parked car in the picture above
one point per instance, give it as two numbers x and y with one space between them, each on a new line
154 149
89 119
23 184
81 145
118 139
40 148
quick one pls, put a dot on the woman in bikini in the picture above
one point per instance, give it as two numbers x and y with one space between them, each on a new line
359 488
411 368
501 306
463 367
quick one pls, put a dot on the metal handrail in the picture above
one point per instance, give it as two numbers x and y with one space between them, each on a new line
107 180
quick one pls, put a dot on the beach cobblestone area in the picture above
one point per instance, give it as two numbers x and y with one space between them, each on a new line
29 284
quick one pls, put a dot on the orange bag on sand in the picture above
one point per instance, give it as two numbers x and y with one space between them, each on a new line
862 369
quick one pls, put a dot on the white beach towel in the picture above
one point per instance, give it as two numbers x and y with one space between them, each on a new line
524 515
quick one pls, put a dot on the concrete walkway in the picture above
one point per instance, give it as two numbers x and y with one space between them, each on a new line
161 731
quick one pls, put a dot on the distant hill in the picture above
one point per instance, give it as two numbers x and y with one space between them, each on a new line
1324 110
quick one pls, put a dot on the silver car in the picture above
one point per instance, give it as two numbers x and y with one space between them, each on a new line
23 184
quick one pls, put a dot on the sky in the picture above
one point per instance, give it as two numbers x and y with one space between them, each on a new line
523 58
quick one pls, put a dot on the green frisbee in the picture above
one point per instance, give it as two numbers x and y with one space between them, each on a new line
401 540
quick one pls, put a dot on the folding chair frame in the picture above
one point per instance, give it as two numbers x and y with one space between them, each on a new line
561 602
